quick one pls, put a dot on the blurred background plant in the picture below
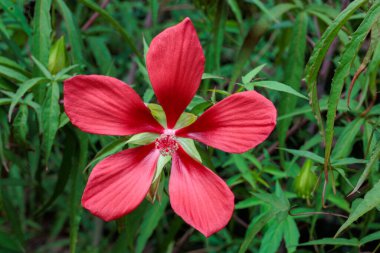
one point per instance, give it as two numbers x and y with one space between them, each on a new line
313 186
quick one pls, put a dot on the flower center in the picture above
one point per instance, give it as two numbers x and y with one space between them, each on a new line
166 144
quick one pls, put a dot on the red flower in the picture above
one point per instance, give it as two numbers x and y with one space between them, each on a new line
105 105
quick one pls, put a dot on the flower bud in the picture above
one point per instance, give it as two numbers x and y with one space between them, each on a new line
305 181
57 56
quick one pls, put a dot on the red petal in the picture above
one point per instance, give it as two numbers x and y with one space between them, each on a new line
175 64
235 124
119 183
198 195
105 105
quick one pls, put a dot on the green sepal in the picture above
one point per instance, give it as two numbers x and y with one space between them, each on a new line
143 138
162 161
158 113
189 146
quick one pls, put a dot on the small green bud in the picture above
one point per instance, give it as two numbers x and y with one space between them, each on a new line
305 181
57 56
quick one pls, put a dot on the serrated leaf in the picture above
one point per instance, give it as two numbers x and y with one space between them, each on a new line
41 32
370 201
12 74
50 118
27 85
20 124
42 68
319 52
343 70
254 227
291 234
17 13
294 68
372 161
69 161
272 237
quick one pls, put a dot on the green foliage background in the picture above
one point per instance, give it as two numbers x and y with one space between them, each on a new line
313 186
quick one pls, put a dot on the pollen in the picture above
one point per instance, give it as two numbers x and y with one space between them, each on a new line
166 144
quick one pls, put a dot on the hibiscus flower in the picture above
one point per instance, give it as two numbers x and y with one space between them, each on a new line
105 105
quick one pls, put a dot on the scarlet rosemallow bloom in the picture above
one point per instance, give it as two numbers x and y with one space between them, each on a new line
104 105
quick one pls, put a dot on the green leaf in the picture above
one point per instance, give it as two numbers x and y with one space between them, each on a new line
264 9
12 215
319 52
73 34
347 161
150 222
68 163
42 69
370 201
27 85
343 70
372 161
294 67
306 154
274 85
346 139
17 13
110 149
248 203
20 125
333 241
251 74
236 10
272 237
291 234
244 169
41 32
253 37
9 244
12 74
76 189
370 238
50 118
103 57
254 227
119 28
